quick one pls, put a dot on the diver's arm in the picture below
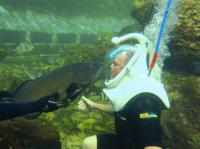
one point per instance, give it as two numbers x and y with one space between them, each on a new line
16 109
102 107
11 110
85 102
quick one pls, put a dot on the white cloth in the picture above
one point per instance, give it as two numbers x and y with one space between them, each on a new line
128 88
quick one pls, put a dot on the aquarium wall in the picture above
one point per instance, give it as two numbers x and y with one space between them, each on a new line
62 21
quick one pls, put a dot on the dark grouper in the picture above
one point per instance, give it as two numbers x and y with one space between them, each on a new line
68 81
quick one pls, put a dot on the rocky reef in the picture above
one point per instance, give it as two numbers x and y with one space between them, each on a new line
181 125
21 134
144 6
185 45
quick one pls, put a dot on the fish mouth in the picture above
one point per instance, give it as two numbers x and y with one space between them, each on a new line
100 74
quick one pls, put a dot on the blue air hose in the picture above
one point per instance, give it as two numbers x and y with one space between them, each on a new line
155 55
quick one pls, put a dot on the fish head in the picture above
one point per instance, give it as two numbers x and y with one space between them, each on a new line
84 76
89 73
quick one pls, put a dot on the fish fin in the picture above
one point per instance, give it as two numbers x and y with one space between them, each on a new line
72 87
73 91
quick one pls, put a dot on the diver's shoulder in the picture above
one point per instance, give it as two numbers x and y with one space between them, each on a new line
144 100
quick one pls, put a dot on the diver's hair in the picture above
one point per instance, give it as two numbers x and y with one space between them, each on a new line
129 54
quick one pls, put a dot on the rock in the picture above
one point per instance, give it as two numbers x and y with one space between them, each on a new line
23 134
142 11
181 129
185 45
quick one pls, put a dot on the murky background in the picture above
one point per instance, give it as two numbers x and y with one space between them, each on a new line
38 37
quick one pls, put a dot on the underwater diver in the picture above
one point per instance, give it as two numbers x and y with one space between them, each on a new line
136 99
10 109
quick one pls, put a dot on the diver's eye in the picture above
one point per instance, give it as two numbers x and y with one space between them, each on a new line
115 63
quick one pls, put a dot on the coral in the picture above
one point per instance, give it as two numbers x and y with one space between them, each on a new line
21 134
185 44
187 31
181 122
74 125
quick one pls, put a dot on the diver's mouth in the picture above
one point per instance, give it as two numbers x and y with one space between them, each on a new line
112 75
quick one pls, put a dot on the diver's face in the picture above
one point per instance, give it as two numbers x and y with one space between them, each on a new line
117 64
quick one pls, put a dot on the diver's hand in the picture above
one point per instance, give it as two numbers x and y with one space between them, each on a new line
85 103
49 103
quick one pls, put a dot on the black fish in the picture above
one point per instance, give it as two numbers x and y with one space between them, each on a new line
68 81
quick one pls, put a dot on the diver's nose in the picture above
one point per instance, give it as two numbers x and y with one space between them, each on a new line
111 66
